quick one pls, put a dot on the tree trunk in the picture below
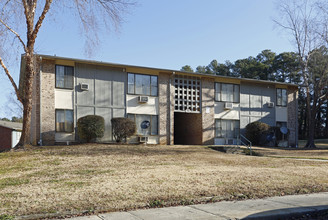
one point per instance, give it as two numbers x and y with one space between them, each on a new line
310 119
27 102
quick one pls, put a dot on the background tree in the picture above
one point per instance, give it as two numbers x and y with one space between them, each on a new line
306 21
187 68
28 16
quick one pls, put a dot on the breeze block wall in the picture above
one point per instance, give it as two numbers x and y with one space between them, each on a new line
208 110
48 102
292 113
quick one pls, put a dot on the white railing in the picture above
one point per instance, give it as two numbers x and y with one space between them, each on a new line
248 143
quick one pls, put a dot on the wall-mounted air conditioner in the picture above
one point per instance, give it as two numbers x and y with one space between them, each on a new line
270 104
84 86
228 105
143 139
143 99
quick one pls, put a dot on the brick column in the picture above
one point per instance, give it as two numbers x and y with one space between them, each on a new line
292 113
48 102
166 114
208 110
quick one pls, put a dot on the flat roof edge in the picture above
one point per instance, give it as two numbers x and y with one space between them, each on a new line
162 70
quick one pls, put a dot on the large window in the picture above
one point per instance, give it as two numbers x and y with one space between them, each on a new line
281 97
139 119
226 128
140 84
64 120
64 77
226 92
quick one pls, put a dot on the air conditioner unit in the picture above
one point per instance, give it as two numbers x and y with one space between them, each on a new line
143 99
84 86
228 105
270 104
143 139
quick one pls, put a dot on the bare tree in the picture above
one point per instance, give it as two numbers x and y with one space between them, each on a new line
19 16
306 21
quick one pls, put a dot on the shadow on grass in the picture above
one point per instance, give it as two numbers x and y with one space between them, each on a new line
111 149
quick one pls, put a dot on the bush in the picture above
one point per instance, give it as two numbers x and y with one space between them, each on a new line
256 131
123 128
91 127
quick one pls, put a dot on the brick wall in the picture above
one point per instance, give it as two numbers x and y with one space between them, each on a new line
48 102
166 104
292 111
5 138
208 110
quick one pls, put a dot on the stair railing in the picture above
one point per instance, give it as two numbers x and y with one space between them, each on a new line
248 143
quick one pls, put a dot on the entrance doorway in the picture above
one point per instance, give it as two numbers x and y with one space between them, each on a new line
188 128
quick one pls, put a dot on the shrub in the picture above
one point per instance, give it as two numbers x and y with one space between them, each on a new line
91 127
255 132
123 128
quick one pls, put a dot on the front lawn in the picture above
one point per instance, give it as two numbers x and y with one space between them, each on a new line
92 178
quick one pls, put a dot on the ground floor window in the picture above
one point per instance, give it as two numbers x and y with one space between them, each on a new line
226 128
141 119
64 120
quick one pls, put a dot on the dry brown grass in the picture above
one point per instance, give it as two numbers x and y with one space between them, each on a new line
321 152
118 177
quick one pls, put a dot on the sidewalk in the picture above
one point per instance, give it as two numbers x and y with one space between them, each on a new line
269 208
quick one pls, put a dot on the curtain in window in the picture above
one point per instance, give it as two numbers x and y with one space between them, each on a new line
131 83
60 120
154 85
227 92
236 93
154 125
60 76
284 97
142 84
218 91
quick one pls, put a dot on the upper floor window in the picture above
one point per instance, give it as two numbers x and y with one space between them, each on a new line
225 92
140 84
64 120
281 97
64 77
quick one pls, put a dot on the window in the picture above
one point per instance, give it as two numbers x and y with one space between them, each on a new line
226 92
226 128
64 77
64 120
139 84
281 97
138 119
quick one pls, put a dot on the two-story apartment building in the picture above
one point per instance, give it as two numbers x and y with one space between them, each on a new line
180 107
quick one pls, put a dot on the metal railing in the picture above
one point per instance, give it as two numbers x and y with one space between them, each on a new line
242 139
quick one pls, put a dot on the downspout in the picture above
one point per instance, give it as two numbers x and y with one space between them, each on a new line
40 94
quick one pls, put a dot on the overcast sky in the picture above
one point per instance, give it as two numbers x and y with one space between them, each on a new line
170 34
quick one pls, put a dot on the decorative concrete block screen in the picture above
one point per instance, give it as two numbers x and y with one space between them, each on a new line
187 94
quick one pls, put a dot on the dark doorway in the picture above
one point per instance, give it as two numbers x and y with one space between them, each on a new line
188 128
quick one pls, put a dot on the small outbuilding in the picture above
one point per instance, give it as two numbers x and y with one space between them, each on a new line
10 133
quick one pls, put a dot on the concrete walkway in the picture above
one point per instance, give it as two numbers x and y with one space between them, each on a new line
269 208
